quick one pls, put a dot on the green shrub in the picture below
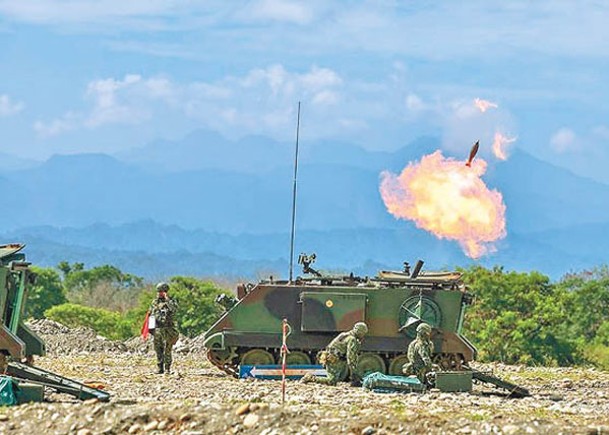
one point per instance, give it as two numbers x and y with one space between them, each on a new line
197 310
106 323
518 318
103 286
45 293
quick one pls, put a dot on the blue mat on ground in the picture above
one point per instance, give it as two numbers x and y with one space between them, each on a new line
274 371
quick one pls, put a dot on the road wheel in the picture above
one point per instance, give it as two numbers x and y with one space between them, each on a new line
297 358
370 363
257 357
395 366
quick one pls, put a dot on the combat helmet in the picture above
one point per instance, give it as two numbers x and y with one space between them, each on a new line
162 287
360 329
424 328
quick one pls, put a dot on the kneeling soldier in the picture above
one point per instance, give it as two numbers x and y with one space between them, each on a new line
341 353
419 354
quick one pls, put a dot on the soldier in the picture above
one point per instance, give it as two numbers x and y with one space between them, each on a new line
164 309
419 354
341 353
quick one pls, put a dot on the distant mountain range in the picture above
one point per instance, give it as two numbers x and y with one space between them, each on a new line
210 206
157 251
10 163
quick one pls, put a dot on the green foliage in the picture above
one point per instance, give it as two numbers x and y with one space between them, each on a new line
515 318
597 350
588 299
76 278
45 293
518 317
107 323
114 303
196 307
588 302
101 287
198 310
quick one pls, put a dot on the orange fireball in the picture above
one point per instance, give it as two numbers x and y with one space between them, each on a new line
500 145
448 199
484 105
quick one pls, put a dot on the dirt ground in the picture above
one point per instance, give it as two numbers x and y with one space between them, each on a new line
199 399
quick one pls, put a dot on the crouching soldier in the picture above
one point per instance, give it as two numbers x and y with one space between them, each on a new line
341 353
419 354
164 309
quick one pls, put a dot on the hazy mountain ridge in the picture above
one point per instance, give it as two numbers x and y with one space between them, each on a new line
150 249
79 190
233 199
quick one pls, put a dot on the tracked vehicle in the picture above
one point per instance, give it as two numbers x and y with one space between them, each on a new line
318 306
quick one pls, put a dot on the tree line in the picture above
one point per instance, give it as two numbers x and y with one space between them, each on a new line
516 317
527 319
114 303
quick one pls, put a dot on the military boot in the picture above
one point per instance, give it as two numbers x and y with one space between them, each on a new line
160 370
167 369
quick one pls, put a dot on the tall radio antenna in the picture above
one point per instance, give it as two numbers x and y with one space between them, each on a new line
294 197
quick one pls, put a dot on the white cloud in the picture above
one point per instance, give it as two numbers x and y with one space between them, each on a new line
111 12
319 78
69 121
564 140
414 103
8 107
464 110
277 10
460 29
111 102
158 49
261 101
463 123
209 91
325 98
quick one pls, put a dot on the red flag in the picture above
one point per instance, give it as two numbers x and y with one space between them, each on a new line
145 329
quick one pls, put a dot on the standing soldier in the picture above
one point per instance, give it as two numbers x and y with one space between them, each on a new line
419 354
341 353
163 309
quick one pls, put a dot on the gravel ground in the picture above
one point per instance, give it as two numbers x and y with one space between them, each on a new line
199 399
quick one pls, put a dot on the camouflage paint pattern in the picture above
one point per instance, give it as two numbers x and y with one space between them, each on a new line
419 358
317 312
164 339
165 334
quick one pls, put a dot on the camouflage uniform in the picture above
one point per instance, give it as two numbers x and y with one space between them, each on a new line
165 333
419 354
342 353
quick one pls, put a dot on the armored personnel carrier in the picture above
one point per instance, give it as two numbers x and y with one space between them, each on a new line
318 306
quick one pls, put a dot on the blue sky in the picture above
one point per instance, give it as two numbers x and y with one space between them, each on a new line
107 75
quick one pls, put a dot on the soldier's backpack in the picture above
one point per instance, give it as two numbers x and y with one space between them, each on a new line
380 383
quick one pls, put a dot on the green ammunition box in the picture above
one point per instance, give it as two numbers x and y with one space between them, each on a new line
454 381
27 392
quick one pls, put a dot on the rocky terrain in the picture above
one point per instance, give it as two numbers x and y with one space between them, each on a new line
199 399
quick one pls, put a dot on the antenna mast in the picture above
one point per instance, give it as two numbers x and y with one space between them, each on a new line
294 197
